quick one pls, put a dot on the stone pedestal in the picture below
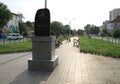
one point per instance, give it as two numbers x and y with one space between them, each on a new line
43 53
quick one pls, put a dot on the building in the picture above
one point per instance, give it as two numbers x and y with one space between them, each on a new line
116 22
13 24
111 25
113 22
114 13
108 25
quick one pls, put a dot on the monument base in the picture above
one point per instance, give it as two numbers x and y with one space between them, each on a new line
42 65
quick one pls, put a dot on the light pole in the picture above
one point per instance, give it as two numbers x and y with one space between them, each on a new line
45 3
70 27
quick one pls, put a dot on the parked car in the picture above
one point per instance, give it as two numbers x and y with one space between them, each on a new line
14 36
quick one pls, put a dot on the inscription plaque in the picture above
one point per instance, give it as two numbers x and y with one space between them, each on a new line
42 22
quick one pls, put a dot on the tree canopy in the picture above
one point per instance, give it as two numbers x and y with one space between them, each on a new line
56 28
87 29
91 29
66 29
5 15
116 33
104 32
23 28
80 32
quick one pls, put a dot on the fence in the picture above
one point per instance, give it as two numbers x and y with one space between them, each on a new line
6 41
109 39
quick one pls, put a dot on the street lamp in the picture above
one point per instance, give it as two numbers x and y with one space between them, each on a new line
45 3
70 27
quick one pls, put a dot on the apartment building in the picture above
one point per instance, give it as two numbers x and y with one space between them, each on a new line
114 20
114 13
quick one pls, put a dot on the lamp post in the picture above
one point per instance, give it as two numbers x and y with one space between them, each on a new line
70 27
45 3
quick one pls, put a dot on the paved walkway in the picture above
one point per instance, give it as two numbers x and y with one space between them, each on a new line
74 68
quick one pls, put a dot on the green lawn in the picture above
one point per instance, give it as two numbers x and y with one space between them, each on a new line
95 46
20 46
16 47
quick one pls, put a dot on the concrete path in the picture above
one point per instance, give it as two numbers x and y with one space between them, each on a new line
74 68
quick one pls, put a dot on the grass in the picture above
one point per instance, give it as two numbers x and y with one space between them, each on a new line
16 47
20 46
100 47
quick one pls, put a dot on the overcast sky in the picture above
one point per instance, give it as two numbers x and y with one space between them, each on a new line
78 12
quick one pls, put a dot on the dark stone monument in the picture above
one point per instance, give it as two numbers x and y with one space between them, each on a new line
43 45
42 22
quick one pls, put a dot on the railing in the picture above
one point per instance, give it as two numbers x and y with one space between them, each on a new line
109 39
7 41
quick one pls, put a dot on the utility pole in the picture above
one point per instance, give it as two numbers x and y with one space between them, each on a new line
70 26
45 3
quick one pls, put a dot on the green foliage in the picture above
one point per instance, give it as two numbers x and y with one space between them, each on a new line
87 29
5 15
56 28
95 46
80 32
29 24
94 30
74 32
116 33
16 47
20 46
23 29
91 29
61 38
66 29
104 32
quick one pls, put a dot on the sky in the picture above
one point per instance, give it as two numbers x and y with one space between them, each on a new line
76 13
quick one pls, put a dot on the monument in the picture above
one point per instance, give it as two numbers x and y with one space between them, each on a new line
43 45
42 22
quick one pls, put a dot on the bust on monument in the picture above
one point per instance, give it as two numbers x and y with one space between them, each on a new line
42 22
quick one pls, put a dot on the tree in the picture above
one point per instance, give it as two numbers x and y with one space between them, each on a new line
66 29
104 32
23 29
74 32
56 28
5 15
87 29
94 29
116 33
29 24
80 32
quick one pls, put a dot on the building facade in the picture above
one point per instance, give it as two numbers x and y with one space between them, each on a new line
108 25
13 24
113 22
114 13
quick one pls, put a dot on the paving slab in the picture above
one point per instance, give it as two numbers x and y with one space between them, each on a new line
74 68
